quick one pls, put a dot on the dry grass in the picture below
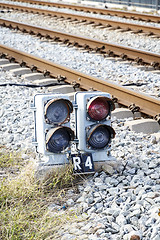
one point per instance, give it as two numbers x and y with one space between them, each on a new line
24 203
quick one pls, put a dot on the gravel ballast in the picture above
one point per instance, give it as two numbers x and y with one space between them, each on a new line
114 18
92 64
139 41
110 206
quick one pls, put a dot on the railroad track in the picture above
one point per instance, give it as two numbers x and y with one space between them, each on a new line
103 11
114 50
150 30
123 95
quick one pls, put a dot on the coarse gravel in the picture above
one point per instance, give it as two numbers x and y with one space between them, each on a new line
109 206
139 41
95 65
109 17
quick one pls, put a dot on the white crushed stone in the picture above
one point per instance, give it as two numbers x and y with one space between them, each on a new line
129 39
108 207
114 18
92 64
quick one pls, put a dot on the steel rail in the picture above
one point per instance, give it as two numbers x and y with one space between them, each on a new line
104 11
125 96
98 21
101 46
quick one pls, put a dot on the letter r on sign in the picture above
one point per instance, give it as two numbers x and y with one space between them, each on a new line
76 163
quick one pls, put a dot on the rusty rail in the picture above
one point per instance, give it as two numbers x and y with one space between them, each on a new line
101 46
99 21
125 96
104 11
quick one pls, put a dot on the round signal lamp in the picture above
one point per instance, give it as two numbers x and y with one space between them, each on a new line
99 136
98 108
58 139
57 111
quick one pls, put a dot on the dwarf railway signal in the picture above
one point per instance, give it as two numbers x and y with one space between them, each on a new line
93 124
53 134
86 140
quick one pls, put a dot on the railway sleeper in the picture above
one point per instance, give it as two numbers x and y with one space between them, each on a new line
138 31
16 28
99 49
91 22
3 55
75 44
56 39
10 26
86 46
31 32
47 36
3 25
150 34
24 30
76 85
39 35
83 20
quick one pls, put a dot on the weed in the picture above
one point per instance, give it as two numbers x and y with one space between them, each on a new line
10 159
24 202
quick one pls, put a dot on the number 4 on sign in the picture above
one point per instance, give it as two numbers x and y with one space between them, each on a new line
89 162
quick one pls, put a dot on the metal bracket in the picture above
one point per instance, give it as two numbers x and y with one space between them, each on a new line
46 73
60 78
34 143
157 118
33 68
23 64
75 105
76 85
134 108
114 99
32 106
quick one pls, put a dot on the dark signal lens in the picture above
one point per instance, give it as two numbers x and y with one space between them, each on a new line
57 111
98 108
59 139
99 138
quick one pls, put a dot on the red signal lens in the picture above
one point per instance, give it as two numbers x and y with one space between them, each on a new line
98 108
